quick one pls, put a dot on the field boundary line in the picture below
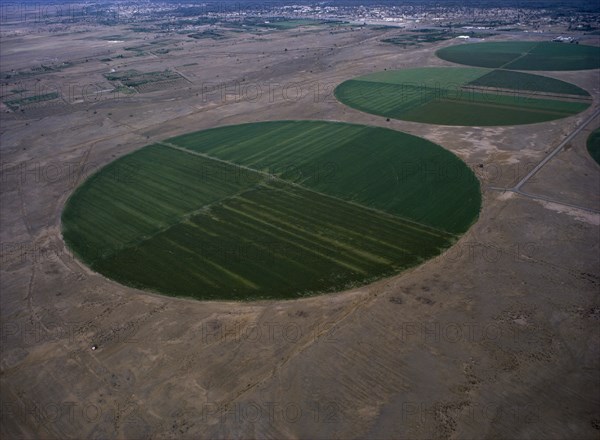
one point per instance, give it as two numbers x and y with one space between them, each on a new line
183 218
468 87
512 107
519 57
528 93
426 228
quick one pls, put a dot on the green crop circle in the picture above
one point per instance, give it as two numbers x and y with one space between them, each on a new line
524 55
279 209
470 96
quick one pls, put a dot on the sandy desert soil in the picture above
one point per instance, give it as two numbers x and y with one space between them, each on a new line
496 338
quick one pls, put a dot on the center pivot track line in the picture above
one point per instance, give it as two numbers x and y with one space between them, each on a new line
422 226
519 57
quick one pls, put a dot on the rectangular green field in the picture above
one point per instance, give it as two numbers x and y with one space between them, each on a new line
16 103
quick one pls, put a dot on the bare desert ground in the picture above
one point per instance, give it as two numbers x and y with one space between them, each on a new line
497 338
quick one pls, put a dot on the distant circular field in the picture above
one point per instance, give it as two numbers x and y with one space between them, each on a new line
463 96
280 209
523 55
593 145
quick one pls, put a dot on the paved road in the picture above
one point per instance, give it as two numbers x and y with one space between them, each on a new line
517 188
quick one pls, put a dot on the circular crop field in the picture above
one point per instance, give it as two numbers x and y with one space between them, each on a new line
522 55
278 209
593 145
463 96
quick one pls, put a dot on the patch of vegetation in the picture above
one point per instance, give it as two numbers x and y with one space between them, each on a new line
380 27
142 29
210 33
15 104
116 76
164 50
149 46
593 145
447 96
115 38
559 56
133 78
524 55
480 110
271 210
419 36
37 70
304 143
125 90
506 79
491 54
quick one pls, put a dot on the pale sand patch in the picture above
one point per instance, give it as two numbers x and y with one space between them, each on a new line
578 214
506 195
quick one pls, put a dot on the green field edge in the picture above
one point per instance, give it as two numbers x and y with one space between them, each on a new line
78 189
593 145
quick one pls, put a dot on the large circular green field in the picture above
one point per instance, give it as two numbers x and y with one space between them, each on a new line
463 96
524 55
278 209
